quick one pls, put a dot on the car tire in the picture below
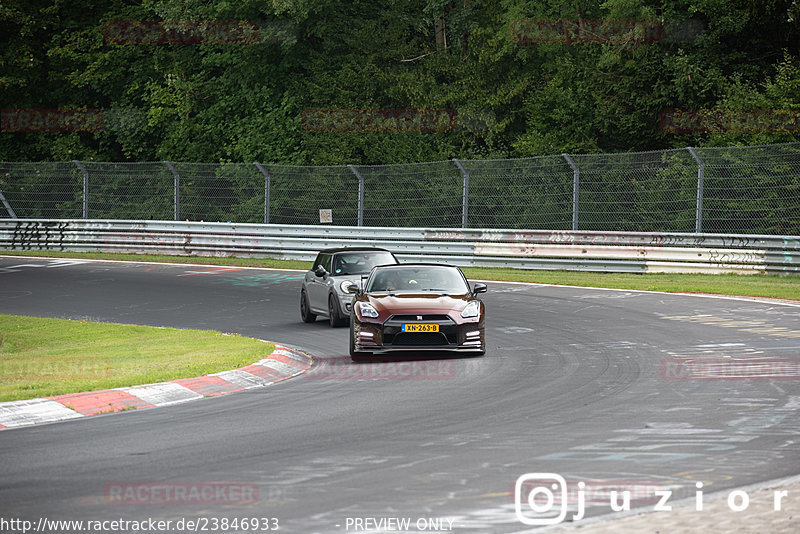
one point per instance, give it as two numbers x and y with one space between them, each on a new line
333 312
305 309
356 356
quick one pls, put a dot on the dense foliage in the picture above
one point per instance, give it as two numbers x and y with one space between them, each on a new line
509 93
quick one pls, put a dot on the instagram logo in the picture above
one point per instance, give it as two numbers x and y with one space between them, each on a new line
540 498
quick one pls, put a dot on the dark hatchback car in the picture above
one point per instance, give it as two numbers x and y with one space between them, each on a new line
417 307
324 289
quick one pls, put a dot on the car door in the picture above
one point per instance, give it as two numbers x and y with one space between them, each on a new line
318 286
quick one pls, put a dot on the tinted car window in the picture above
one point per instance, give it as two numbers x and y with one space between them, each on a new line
360 262
323 260
427 278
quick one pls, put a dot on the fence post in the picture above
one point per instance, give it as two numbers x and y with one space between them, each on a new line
264 171
7 205
701 172
576 177
177 201
85 188
464 193
360 194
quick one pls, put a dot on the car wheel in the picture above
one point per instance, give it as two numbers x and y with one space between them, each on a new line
305 309
356 356
333 312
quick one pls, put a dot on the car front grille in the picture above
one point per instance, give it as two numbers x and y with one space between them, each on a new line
393 330
420 338
426 318
447 334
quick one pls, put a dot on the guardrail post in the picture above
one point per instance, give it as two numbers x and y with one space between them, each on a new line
7 205
701 172
576 178
360 194
464 193
265 172
177 201
85 188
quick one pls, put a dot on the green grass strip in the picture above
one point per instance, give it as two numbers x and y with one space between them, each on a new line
264 263
753 285
45 357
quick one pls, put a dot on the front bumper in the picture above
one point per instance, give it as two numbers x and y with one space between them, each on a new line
345 303
389 336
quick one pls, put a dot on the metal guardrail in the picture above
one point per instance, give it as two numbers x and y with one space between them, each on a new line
638 252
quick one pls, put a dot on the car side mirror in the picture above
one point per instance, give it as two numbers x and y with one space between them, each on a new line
320 271
352 288
479 287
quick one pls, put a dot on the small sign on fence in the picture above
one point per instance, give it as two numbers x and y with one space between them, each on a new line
326 216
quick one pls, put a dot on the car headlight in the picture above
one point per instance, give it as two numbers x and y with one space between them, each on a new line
367 310
471 310
344 285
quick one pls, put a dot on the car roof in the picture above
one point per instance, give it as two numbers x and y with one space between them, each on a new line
353 249
400 265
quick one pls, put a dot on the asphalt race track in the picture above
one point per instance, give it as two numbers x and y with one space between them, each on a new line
588 384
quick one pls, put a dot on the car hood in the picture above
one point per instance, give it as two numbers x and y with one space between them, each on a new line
417 303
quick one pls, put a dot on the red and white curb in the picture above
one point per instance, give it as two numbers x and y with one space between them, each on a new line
283 363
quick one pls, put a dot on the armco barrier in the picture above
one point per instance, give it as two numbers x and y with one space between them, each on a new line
529 249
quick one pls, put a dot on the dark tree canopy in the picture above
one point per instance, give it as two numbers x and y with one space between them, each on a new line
248 81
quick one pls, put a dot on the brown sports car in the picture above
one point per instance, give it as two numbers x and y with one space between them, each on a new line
419 307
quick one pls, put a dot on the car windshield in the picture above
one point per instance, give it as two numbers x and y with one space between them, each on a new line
360 262
418 278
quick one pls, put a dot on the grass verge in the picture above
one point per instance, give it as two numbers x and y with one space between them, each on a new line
753 285
45 357
264 263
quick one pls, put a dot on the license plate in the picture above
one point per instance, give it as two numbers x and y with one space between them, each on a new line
420 328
